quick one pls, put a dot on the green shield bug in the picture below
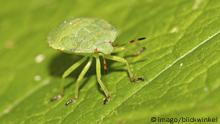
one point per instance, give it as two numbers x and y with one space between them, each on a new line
91 38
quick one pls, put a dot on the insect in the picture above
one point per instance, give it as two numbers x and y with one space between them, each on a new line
92 38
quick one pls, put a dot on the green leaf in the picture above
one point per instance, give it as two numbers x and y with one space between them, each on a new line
181 64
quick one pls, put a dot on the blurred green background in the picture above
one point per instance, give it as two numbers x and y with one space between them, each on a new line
181 64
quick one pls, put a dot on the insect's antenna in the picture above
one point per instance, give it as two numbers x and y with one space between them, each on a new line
135 40
122 47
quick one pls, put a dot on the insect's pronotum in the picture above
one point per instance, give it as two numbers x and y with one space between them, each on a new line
91 38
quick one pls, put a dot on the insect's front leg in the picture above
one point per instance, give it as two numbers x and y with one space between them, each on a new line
78 80
65 74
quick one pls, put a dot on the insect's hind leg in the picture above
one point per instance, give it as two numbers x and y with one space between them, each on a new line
132 77
98 73
79 79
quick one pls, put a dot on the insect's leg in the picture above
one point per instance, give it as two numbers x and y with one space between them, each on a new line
98 73
65 74
137 53
73 67
82 74
124 61
79 79
60 95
